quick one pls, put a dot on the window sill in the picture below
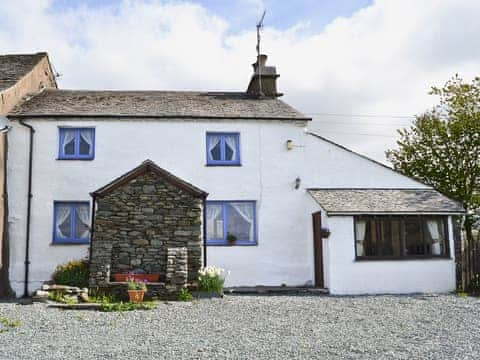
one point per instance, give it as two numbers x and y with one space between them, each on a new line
402 258
233 245
226 164
75 159
54 243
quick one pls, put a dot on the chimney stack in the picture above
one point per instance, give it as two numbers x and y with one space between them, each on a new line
264 79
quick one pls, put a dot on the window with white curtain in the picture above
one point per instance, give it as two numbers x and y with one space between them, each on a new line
71 222
76 143
223 148
401 237
231 223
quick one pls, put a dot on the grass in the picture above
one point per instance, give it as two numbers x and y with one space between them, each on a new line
102 298
127 306
8 324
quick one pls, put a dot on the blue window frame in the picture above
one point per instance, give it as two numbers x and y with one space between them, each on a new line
231 223
71 222
223 149
76 143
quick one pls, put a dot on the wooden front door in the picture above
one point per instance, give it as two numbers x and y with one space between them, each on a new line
318 249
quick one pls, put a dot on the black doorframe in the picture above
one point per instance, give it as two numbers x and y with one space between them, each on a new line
318 249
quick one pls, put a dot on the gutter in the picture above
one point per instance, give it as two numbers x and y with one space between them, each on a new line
14 116
29 207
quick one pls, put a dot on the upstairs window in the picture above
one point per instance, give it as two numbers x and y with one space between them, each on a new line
401 237
231 223
71 223
76 143
223 149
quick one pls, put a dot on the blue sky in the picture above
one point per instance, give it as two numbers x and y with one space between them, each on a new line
348 57
243 14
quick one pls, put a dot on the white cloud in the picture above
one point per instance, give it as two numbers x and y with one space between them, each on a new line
381 60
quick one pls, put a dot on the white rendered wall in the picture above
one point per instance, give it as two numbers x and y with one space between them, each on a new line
350 277
284 254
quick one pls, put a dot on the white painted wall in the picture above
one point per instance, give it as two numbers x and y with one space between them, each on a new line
284 254
350 277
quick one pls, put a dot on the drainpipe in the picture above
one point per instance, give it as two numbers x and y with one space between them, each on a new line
6 290
92 226
29 207
204 232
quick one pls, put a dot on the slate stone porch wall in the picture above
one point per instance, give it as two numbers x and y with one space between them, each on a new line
147 224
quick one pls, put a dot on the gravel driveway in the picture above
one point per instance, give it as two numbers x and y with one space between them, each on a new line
251 327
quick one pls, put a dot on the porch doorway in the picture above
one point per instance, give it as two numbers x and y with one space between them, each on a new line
318 249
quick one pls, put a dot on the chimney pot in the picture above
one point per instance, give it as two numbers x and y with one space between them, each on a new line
262 59
264 77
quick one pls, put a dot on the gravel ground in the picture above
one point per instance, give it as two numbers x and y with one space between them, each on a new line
252 327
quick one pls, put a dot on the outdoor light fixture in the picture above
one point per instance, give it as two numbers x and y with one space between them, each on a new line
289 144
297 183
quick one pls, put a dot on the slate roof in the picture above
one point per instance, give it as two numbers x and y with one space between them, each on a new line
14 67
379 201
149 165
159 104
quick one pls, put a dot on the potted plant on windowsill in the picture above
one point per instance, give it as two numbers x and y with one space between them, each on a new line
136 290
231 239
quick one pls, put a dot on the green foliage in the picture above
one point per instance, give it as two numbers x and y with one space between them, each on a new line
211 279
73 273
184 295
101 297
8 324
442 147
134 284
55 296
127 306
474 287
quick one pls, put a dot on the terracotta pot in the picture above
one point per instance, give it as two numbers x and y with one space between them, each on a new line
138 277
136 296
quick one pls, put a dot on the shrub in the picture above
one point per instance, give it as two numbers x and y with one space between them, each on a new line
184 295
73 273
474 287
134 284
211 279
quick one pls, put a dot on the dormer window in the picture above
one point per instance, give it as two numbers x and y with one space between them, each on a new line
76 143
223 149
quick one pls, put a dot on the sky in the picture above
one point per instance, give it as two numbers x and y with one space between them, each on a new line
361 69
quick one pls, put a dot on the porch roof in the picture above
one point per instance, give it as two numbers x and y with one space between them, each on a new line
384 201
149 165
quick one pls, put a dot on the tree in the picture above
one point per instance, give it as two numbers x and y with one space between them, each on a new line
442 147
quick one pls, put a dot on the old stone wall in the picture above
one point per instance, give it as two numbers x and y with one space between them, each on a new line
137 224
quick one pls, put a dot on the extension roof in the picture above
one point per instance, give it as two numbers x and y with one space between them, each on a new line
155 104
384 201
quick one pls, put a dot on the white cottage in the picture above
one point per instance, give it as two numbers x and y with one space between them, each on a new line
284 205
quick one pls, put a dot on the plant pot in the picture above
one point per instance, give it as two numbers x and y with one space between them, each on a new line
137 277
136 296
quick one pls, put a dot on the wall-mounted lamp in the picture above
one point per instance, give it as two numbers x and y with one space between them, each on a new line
298 181
289 144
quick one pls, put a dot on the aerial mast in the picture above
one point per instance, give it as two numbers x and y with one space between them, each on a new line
259 68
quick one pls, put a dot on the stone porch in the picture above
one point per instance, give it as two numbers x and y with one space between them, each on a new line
147 221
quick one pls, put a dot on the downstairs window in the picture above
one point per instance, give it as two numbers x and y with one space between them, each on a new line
401 237
231 223
71 223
